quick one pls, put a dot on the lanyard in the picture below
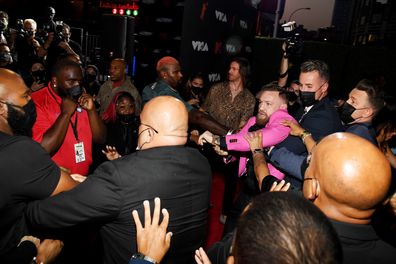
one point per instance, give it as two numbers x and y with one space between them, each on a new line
74 126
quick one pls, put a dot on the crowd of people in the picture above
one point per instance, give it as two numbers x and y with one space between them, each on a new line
308 179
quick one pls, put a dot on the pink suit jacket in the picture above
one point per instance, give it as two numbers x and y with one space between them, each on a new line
272 134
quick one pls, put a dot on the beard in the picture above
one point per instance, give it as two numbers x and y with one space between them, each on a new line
261 120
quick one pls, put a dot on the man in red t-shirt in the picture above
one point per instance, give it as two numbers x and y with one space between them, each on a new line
67 121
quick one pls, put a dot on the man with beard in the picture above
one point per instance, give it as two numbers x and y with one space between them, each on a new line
118 82
231 103
67 121
27 172
271 111
168 82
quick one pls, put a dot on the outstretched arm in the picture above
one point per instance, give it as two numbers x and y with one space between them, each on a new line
297 130
206 122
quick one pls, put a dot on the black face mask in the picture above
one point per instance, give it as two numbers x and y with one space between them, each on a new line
345 111
392 142
74 92
126 119
21 123
3 26
307 98
5 57
292 96
196 90
39 76
90 78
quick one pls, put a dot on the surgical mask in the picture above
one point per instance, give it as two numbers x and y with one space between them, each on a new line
127 119
74 92
6 57
21 123
345 111
307 98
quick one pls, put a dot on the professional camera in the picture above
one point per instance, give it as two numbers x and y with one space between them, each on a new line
48 28
294 42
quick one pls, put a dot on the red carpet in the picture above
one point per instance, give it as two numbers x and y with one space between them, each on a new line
215 228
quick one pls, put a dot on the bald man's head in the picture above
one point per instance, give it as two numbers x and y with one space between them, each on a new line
17 111
164 122
117 70
347 177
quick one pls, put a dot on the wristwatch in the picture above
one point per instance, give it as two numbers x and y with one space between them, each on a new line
258 150
304 135
141 256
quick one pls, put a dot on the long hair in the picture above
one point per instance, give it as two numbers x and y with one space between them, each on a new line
244 70
110 115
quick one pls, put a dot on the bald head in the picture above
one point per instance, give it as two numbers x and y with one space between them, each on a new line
117 70
164 122
353 177
10 83
14 95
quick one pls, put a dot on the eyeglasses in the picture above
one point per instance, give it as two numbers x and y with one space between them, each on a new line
150 127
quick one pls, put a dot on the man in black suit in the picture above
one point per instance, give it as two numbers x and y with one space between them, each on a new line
317 114
348 178
163 168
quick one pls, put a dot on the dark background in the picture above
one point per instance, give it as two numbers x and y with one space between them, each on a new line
169 27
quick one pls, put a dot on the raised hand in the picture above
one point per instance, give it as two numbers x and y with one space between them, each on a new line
201 257
153 240
206 137
86 101
295 128
111 153
282 186
254 139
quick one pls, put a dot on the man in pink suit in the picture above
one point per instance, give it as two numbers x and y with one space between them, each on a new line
271 111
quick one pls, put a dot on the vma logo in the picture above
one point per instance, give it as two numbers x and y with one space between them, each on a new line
231 48
214 77
221 16
199 45
243 24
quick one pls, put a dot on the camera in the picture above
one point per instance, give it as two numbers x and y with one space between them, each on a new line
294 42
58 34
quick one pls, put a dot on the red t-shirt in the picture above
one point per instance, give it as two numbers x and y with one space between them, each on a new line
48 107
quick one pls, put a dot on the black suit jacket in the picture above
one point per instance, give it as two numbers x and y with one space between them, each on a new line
179 175
360 244
321 120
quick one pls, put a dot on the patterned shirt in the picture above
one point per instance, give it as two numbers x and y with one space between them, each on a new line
229 113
